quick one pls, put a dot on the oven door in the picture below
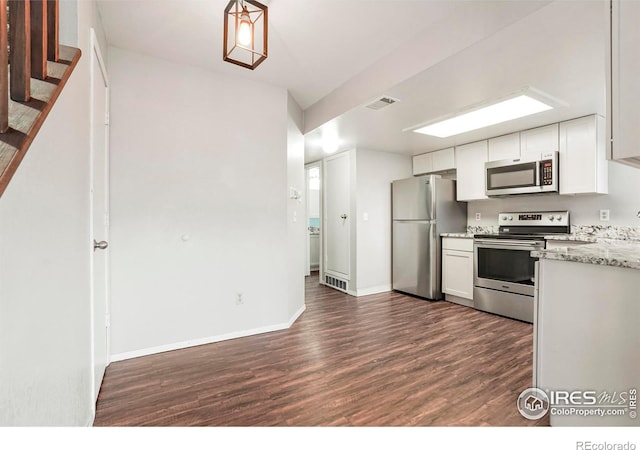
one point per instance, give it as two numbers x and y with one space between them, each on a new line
505 265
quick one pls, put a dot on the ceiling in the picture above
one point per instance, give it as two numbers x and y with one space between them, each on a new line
437 57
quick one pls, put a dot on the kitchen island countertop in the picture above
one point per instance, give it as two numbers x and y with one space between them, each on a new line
605 252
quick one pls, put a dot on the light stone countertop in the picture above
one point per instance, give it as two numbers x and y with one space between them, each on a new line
457 235
605 252
573 237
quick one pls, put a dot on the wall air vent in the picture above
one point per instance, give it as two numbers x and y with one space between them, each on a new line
382 102
341 285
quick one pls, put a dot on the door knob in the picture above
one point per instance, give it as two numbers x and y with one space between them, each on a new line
344 216
100 245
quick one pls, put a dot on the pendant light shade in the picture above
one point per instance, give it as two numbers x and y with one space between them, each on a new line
245 33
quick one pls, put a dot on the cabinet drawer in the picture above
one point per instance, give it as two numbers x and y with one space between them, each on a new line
461 244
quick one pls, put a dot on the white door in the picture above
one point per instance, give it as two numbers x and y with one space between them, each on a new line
100 215
313 183
337 183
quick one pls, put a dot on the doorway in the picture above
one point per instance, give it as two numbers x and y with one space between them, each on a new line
313 184
99 198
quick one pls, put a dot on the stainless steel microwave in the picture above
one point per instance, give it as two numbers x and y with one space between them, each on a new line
531 174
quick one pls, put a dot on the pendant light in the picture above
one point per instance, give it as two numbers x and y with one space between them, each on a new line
245 33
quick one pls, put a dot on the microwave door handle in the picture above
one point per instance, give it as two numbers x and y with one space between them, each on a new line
538 174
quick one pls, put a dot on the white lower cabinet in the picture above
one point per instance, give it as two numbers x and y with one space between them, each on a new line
586 338
457 268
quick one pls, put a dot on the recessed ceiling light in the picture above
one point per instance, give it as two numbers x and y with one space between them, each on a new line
512 108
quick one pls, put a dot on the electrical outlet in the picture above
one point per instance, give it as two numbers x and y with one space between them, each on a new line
478 216
239 299
604 215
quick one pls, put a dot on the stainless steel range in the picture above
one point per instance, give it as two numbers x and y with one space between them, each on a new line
504 275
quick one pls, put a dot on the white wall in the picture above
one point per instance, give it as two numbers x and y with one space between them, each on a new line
375 172
623 201
45 248
199 205
296 210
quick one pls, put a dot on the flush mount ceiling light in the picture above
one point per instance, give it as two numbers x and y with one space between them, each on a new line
515 106
330 141
245 33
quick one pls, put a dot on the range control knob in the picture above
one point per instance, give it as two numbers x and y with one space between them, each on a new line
510 217
558 218
551 218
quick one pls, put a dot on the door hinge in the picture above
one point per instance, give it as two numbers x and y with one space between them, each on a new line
106 220
106 118
107 320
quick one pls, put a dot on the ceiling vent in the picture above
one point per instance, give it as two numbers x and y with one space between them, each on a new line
382 102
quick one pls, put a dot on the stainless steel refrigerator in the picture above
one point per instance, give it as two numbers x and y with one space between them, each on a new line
422 208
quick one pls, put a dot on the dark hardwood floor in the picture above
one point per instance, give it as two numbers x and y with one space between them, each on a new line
381 360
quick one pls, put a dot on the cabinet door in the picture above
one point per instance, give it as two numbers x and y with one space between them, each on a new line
583 166
539 140
623 87
444 159
504 147
470 159
423 164
457 273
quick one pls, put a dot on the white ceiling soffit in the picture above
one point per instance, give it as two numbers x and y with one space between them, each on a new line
465 24
559 50
314 45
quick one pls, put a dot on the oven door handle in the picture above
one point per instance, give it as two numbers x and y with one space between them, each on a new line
516 245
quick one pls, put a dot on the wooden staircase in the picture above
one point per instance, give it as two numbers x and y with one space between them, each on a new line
34 68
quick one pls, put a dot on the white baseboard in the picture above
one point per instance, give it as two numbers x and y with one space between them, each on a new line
295 316
374 290
207 340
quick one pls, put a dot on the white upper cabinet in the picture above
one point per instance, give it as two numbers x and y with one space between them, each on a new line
423 163
504 147
623 84
470 159
539 140
583 163
444 160
434 161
